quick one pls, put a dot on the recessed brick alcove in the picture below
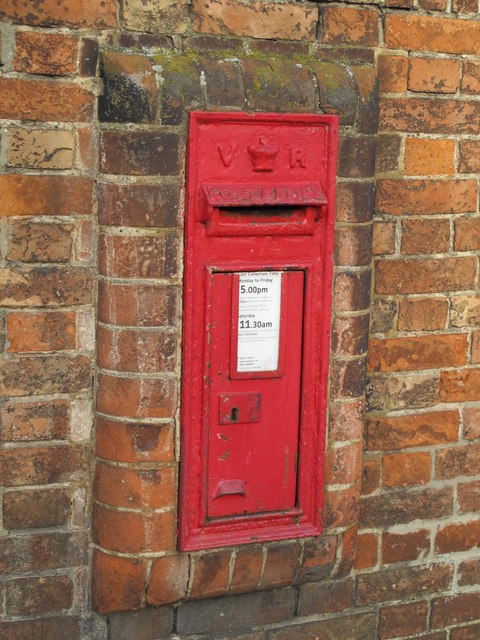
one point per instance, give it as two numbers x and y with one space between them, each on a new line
140 194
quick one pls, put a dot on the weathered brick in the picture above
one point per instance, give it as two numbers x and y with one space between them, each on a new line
465 6
433 75
138 256
353 245
348 378
181 88
350 335
458 461
471 423
347 627
27 421
210 574
454 609
371 473
44 286
402 547
425 197
425 157
471 77
406 391
341 507
465 311
45 628
318 559
139 153
383 238
247 569
97 14
281 565
467 234
346 420
44 375
389 148
36 508
257 19
475 347
423 429
366 551
38 595
145 624
430 115
167 16
468 493
132 442
368 107
383 315
422 314
50 54
118 583
39 242
402 620
354 202
397 584
424 276
41 148
338 91
392 73
89 57
356 157
459 386
325 597
140 305
469 572
469 156
404 506
350 25
45 195
138 205
224 82
343 464
402 469
53 331
135 398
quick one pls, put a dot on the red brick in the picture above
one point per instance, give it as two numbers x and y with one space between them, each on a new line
422 314
39 242
388 509
469 572
471 423
371 472
433 5
45 195
48 420
122 531
318 559
348 379
51 54
425 276
389 153
383 240
85 240
318 598
345 626
118 583
354 202
48 628
459 386
402 469
42 286
350 335
168 579
346 420
257 19
348 551
139 153
434 75
402 620
43 465
341 507
138 256
130 350
419 352
475 347
341 25
392 74
425 157
132 442
426 197
428 33
458 461
137 305
210 574
87 147
36 508
452 610
89 13
281 565
403 547
136 398
151 16
366 554
351 291
135 488
468 493
247 569
469 151
343 464
53 331
41 100
470 632
425 236
423 429
38 595
465 6
471 77
467 234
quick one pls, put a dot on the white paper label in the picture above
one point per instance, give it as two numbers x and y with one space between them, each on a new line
259 301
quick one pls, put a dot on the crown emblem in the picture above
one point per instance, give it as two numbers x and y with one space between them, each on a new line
263 154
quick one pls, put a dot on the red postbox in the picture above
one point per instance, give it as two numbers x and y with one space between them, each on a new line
256 326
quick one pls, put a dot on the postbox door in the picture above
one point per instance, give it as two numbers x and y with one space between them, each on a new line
254 371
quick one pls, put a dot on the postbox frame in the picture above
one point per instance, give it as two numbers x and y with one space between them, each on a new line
309 250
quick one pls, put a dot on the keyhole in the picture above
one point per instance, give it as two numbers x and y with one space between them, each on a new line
234 414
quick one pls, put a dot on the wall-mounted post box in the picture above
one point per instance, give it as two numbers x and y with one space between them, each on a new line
258 272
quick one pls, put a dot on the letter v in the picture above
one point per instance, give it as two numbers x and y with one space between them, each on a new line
226 153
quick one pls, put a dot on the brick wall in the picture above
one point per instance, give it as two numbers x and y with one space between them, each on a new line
93 104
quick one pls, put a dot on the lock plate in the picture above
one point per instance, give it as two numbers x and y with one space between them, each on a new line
235 408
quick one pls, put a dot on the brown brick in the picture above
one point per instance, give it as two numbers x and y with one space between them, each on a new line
471 77
383 239
338 91
257 19
402 547
318 559
433 5
467 234
459 386
383 315
433 75
465 311
45 375
356 157
51 54
138 256
425 157
89 57
38 595
350 335
36 508
366 551
396 584
181 87
419 352
44 286
342 25
169 16
392 74
348 379
404 506
341 507
46 628
138 205
353 245
412 391
468 493
402 620
87 148
281 565
469 632
144 624
471 423
224 82
168 580
135 488
53 331
317 598
354 202
39 242
454 609
465 6
343 464
346 627
423 429
118 583
424 276
131 442
43 465
346 420
458 461
351 291
469 572
137 305
402 469
45 195
430 115
469 156
135 398
371 473
422 314
97 14
475 347
139 153
41 148
22 422
425 236
428 33
387 159
210 574
426 197
247 569
41 100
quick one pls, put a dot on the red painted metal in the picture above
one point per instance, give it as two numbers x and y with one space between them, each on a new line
260 198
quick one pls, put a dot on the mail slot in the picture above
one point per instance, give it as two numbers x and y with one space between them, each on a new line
259 222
